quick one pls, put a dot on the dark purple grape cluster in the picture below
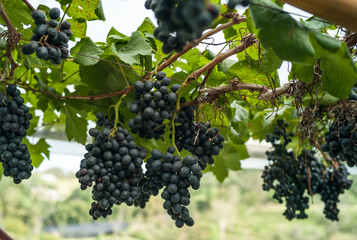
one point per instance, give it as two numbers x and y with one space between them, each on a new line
200 139
288 176
145 194
334 183
154 102
49 41
281 174
167 171
341 142
294 179
181 21
14 121
113 166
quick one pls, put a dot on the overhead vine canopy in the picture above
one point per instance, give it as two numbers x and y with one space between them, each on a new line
158 98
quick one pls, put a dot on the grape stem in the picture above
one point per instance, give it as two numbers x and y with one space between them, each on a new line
29 5
247 41
173 131
65 12
206 78
236 19
116 110
318 146
210 94
308 177
122 71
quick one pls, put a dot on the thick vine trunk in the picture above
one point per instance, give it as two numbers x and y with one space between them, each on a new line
340 12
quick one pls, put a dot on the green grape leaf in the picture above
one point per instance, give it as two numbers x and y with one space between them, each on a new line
76 127
99 11
114 36
49 116
111 76
302 72
44 8
30 62
271 62
1 171
18 13
84 9
147 26
38 151
229 33
301 45
136 47
324 98
84 48
226 65
238 119
79 29
220 169
232 154
262 122
216 78
338 77
194 60
249 71
294 38
316 23
250 23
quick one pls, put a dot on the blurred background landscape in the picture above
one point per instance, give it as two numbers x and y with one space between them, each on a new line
50 205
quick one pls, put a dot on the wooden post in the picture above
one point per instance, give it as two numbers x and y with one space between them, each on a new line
4 236
339 12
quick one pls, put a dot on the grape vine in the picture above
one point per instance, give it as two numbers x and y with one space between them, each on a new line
140 70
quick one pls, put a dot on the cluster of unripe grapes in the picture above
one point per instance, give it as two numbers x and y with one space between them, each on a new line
14 121
295 178
180 21
49 41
